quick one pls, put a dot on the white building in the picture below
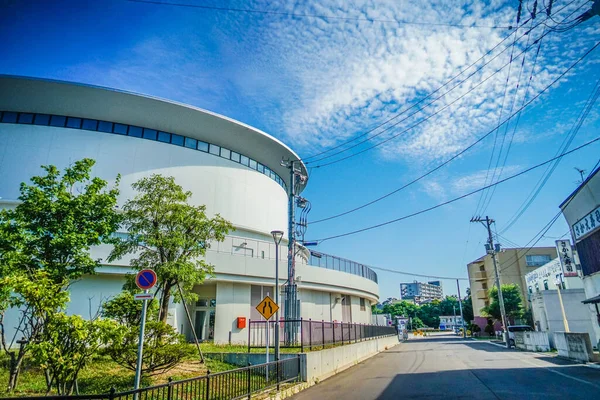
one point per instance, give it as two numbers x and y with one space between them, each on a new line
450 322
545 305
421 292
582 213
230 167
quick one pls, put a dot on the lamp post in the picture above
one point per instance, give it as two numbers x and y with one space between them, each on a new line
277 235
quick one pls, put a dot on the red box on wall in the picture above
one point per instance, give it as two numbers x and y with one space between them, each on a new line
241 322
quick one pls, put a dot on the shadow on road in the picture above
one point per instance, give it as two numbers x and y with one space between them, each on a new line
490 383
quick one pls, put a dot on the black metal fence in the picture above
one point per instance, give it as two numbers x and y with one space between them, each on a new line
308 333
235 384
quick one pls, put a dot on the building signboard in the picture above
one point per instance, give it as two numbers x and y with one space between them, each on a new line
549 270
587 224
565 256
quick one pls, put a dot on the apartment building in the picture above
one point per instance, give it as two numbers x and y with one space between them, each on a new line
421 292
513 265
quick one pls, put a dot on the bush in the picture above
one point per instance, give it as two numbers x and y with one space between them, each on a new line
489 329
163 348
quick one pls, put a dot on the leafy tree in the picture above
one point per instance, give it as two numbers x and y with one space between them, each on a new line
449 305
58 219
375 310
468 308
169 236
513 303
66 346
489 328
401 308
127 311
429 313
163 347
39 298
416 323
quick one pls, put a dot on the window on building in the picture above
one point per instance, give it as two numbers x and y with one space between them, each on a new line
120 129
537 260
252 164
244 160
530 289
104 126
214 149
363 307
58 120
135 131
537 287
74 123
177 139
191 143
25 118
88 124
150 134
202 146
42 119
545 284
235 156
164 137
10 117
484 285
225 153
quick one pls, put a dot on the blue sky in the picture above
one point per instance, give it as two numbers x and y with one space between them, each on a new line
318 82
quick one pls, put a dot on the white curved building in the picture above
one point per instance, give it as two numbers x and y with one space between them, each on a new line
230 167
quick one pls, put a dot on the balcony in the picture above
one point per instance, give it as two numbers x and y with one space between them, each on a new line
480 276
482 294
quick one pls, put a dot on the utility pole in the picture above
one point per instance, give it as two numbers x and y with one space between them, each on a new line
492 250
291 309
462 317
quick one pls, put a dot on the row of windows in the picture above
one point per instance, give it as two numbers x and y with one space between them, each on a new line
139 132
537 260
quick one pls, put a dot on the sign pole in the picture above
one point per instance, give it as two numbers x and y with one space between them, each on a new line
138 368
559 282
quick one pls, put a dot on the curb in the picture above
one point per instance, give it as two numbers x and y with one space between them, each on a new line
593 366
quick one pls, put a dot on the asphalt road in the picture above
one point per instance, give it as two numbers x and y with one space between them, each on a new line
448 367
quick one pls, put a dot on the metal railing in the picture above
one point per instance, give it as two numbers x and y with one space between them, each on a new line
228 385
264 249
341 264
313 333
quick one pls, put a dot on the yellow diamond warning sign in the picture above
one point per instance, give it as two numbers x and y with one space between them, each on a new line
267 307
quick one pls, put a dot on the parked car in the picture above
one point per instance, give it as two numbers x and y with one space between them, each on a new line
517 328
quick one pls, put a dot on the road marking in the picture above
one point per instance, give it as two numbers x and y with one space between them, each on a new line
554 371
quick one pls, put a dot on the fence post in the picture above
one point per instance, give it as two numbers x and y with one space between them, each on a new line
301 336
111 393
207 385
170 389
249 326
323 333
249 392
333 328
310 333
277 362
355 337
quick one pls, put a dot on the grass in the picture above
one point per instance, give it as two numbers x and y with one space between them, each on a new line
102 373
209 347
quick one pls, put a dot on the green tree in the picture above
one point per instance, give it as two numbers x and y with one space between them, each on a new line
429 313
401 308
66 345
468 308
127 311
39 299
416 323
513 303
170 236
59 217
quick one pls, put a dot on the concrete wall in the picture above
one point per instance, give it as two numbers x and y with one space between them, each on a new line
547 314
532 341
575 346
319 365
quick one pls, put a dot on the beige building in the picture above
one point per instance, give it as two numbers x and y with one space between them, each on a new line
513 265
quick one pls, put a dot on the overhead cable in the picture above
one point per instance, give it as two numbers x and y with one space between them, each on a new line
323 16
459 153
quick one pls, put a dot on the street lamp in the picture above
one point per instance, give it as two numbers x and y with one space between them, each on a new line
277 235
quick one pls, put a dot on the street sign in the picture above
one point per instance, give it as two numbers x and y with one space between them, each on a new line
267 307
145 279
143 296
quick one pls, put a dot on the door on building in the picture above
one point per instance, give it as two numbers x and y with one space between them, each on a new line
204 319
346 309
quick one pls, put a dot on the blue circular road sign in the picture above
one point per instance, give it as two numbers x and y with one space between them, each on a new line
145 279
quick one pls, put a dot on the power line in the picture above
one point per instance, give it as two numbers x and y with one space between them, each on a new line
460 197
417 275
459 153
306 159
564 146
323 16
